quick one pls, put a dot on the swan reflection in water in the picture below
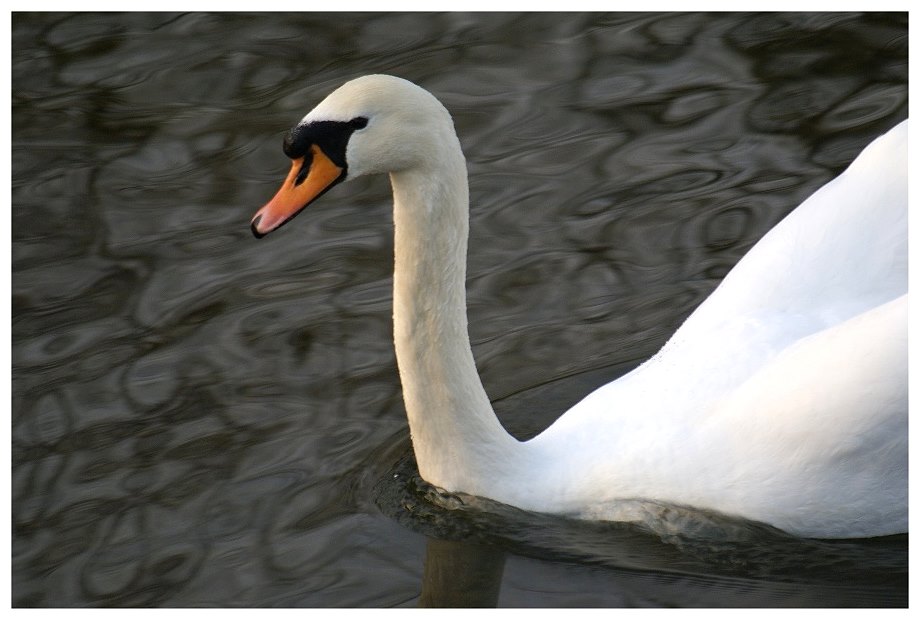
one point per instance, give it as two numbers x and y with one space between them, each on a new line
798 419
459 574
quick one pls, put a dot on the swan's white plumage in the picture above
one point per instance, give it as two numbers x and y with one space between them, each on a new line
782 398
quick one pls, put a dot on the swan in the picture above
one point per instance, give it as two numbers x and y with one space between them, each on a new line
782 399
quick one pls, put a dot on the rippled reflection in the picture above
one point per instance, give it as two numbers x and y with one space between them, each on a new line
199 419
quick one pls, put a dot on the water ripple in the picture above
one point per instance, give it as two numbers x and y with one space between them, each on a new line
199 418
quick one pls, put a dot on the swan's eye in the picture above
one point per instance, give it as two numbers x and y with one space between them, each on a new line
359 122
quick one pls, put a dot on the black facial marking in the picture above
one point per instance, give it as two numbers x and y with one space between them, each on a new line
331 136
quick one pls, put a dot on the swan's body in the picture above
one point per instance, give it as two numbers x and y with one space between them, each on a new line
782 399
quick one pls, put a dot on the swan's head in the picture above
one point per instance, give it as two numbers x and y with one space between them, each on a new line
373 124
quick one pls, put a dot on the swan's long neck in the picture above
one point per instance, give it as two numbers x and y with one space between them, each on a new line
458 441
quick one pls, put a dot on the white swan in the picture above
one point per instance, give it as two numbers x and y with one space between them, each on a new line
782 399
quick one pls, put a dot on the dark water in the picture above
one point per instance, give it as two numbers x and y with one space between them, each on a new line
201 419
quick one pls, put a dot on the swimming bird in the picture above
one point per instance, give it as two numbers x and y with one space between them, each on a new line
782 398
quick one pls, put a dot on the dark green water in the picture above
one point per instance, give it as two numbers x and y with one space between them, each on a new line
201 419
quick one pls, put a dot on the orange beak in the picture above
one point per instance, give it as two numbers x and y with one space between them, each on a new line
293 197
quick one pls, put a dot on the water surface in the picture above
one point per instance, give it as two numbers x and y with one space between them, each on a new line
201 419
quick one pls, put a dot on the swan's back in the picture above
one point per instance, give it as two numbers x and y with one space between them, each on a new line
842 252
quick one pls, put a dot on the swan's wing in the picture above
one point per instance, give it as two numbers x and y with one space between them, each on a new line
840 253
821 428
